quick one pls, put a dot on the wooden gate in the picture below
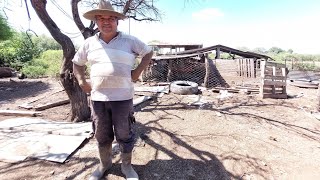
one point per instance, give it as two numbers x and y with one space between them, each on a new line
246 68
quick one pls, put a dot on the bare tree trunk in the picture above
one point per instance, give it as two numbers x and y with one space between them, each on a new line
78 99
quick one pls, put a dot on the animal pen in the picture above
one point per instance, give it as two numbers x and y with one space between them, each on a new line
200 69
195 65
196 68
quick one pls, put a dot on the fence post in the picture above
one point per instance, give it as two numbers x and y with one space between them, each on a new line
208 67
169 78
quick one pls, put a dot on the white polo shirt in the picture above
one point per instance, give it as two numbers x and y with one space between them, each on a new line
111 64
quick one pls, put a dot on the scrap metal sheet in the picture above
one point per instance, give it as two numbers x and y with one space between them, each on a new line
38 138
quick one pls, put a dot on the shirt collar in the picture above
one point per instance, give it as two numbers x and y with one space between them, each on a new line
116 37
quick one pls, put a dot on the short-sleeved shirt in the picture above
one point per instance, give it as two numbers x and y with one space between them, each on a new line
111 64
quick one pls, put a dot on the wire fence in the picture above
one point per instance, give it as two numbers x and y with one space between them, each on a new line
217 72
300 65
195 69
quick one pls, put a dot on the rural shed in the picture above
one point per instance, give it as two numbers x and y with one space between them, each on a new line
221 48
195 65
162 48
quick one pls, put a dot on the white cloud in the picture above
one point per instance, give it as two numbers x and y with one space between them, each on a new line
207 14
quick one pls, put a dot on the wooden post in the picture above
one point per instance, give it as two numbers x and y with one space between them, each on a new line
238 66
169 75
218 53
206 77
243 67
246 67
273 75
284 74
262 67
252 68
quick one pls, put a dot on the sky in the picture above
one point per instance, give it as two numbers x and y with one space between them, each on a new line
287 24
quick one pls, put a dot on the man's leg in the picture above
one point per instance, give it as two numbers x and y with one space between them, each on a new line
122 126
101 116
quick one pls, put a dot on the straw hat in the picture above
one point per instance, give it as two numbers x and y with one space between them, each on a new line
104 8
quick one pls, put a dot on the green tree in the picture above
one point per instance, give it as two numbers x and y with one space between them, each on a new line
5 30
276 50
22 48
260 50
17 51
45 43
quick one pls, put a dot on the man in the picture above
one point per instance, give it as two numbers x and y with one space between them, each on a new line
111 55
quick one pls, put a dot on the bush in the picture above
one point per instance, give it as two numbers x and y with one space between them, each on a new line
17 51
48 64
22 48
34 71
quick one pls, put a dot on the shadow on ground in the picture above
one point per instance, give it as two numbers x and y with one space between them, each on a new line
11 90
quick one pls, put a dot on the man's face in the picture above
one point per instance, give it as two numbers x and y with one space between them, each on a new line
107 24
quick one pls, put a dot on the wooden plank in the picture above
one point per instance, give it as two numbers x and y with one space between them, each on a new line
263 66
19 113
238 67
248 68
275 96
252 68
236 90
274 83
270 91
275 77
207 75
243 68
51 105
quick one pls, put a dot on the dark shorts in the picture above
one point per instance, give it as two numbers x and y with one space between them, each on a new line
112 119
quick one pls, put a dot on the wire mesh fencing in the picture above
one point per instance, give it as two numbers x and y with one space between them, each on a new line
196 69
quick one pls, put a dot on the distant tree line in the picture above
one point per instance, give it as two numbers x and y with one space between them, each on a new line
281 55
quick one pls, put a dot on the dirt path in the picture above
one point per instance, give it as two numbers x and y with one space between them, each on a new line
241 137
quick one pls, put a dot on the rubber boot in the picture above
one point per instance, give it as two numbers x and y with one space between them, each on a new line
126 167
105 153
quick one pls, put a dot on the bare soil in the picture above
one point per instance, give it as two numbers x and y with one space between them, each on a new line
239 137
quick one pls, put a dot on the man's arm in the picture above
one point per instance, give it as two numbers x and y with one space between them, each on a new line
143 64
79 73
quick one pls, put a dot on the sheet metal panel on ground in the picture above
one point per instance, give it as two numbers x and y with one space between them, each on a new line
21 138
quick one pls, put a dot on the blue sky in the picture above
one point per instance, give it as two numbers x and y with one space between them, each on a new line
288 24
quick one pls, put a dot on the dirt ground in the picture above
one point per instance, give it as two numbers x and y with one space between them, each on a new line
238 137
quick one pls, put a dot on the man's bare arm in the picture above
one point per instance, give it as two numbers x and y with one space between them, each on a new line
79 73
143 64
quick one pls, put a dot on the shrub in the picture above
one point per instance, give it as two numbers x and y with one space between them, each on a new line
48 64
